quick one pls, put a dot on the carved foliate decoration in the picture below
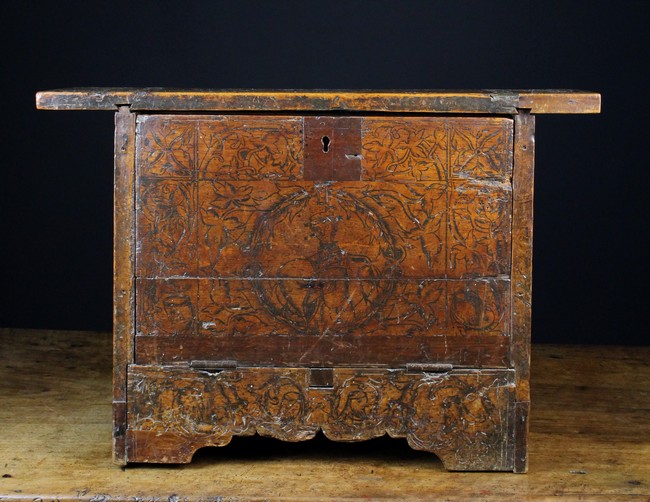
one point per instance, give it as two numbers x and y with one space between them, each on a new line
463 417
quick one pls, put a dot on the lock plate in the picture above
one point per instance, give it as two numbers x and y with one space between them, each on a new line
332 149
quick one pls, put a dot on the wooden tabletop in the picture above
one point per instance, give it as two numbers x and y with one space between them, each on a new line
590 438
416 101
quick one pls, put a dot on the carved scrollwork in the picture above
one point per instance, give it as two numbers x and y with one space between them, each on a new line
456 415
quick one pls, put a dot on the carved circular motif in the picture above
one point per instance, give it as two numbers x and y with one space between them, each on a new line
357 404
284 399
326 250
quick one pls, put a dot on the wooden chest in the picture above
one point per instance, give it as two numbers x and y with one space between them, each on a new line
352 262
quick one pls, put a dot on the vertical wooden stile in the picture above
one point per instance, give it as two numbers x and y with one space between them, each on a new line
521 276
123 269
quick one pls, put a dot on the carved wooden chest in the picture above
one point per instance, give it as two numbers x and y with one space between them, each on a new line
352 262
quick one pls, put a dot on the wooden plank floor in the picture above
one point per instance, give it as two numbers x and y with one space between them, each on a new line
590 438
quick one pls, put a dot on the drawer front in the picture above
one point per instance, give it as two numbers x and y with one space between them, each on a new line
465 417
313 240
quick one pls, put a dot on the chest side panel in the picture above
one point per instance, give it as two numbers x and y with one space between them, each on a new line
247 250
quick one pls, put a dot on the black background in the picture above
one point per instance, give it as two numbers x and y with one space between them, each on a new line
591 231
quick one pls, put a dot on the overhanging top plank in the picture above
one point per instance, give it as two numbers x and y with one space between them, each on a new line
559 101
420 101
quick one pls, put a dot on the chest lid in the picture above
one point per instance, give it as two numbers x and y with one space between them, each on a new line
504 101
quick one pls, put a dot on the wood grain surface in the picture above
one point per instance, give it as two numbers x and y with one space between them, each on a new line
244 227
464 416
589 438
288 243
521 276
417 101
123 271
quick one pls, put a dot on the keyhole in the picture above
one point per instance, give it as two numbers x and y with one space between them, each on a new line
326 143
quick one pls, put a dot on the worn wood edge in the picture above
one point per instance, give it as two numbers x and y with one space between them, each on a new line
521 428
565 102
522 250
521 280
479 101
123 270
280 100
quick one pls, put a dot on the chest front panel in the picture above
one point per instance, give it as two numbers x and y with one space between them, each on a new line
323 241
